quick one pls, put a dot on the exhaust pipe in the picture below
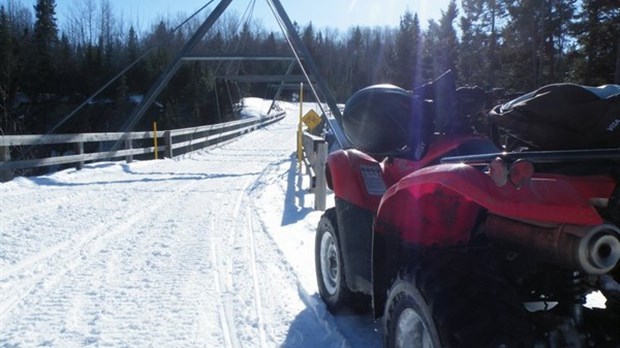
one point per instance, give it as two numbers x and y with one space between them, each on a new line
589 249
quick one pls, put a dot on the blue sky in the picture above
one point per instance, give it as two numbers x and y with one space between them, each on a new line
340 14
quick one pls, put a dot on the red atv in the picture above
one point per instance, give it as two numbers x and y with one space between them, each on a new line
457 244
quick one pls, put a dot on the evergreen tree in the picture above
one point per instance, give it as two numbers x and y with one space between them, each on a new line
16 36
6 61
471 60
309 39
216 44
598 32
67 67
405 58
271 46
431 41
448 46
522 36
246 45
376 54
158 60
45 41
558 21
106 39
331 62
534 42
91 69
479 62
196 91
355 55
137 81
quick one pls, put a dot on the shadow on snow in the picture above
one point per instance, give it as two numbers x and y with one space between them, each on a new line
294 199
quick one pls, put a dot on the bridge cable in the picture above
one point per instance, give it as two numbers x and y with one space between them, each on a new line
290 43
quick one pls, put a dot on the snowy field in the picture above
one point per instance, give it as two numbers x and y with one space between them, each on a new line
212 249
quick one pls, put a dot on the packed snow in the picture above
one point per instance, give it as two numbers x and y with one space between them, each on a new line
210 249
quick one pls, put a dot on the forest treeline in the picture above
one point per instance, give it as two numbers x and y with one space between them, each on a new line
46 71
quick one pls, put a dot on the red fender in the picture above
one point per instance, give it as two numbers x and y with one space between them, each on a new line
439 205
353 176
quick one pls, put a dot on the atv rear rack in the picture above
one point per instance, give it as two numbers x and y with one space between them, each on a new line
538 156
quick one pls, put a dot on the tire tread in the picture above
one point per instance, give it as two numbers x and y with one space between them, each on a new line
470 302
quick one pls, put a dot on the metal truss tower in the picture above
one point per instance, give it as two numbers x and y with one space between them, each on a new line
301 53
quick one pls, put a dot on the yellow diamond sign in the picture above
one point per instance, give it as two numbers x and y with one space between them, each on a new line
311 119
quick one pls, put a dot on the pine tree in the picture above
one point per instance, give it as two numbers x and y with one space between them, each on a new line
479 62
598 32
405 57
448 45
6 61
559 19
16 36
196 92
45 41
523 36
106 40
158 60
535 42
137 81
376 53
430 46
67 69
309 40
355 72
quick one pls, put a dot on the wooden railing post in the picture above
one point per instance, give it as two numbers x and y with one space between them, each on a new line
320 191
5 156
79 149
168 141
128 146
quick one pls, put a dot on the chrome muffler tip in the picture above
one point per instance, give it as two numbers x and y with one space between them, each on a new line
599 250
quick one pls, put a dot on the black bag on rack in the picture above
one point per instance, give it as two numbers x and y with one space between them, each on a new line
559 117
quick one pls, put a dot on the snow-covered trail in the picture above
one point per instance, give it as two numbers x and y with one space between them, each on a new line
213 249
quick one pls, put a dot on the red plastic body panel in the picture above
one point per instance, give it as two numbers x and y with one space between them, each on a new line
439 204
345 168
441 145
595 186
427 214
427 203
347 181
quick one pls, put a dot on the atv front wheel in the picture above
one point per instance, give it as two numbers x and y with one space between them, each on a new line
454 299
329 268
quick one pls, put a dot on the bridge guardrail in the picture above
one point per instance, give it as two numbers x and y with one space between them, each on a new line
187 138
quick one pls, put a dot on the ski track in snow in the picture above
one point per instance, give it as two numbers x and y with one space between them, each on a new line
211 249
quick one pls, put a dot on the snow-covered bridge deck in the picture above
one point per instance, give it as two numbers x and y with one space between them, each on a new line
213 249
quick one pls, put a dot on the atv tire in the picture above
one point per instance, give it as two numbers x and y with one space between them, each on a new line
330 273
454 299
